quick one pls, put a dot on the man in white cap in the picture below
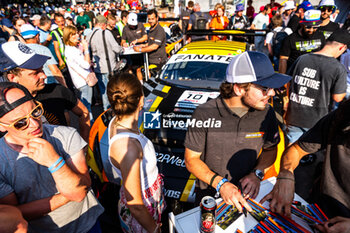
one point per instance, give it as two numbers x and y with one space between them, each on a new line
222 157
35 20
288 8
327 8
134 33
20 64
32 39
83 20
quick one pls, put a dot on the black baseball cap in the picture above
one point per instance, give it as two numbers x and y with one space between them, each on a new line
5 106
341 36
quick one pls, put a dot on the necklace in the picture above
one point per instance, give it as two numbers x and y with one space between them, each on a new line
132 130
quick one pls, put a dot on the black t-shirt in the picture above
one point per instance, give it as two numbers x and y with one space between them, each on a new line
239 22
332 133
56 99
315 78
233 147
132 34
91 16
116 35
157 36
328 29
294 23
295 45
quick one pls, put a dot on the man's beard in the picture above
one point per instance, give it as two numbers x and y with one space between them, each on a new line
306 35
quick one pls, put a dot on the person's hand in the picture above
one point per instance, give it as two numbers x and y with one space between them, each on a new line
49 37
232 196
282 194
335 225
42 152
137 48
125 45
61 64
85 44
250 185
133 43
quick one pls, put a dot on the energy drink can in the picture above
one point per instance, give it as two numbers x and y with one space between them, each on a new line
208 218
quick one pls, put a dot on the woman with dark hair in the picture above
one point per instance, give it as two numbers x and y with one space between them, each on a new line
133 158
15 35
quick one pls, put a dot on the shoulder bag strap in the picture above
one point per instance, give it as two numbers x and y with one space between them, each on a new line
106 52
90 50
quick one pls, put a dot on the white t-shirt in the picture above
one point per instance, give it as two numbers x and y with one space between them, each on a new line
78 67
269 35
261 21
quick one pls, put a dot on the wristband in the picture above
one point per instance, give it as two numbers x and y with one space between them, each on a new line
285 178
212 179
58 167
140 50
224 180
55 163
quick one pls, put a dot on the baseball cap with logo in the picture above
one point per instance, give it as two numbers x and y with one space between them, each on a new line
132 19
16 54
312 18
306 5
254 67
239 7
28 31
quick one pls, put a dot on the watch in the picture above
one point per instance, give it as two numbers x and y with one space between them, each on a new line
258 173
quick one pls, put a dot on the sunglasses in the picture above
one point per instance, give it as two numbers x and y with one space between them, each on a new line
327 8
264 90
22 123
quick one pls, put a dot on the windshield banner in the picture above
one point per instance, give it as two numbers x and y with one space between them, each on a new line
178 58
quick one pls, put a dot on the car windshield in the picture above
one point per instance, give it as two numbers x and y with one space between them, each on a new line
194 70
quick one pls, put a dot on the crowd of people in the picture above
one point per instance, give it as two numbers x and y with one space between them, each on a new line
53 60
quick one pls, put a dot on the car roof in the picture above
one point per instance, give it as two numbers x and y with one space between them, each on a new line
209 47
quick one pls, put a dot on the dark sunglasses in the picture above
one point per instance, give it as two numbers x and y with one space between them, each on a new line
327 8
264 90
311 27
22 123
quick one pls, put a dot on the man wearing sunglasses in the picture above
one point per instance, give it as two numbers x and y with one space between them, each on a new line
305 40
248 127
22 65
43 167
327 8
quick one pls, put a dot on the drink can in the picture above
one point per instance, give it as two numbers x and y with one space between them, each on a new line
208 218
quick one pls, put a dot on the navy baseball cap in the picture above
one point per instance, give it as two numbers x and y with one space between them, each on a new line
16 54
254 67
306 5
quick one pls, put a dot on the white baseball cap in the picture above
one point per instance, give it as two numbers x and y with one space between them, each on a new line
35 17
80 10
327 3
132 19
289 5
28 31
16 54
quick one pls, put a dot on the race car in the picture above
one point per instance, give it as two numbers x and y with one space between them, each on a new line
190 77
